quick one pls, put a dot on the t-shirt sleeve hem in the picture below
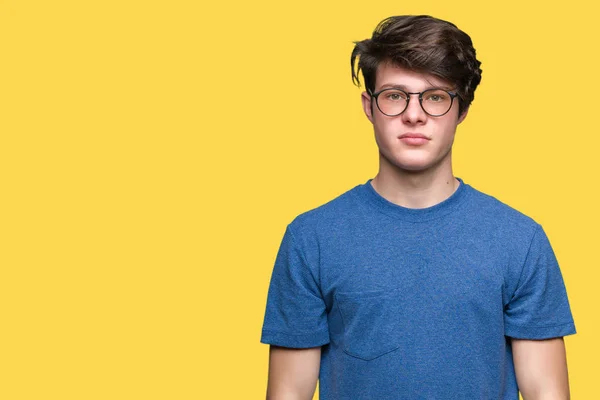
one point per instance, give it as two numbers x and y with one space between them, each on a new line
536 332
283 339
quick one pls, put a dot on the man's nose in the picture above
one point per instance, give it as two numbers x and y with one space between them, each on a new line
414 113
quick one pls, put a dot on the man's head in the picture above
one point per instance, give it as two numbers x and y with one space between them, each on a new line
421 73
423 44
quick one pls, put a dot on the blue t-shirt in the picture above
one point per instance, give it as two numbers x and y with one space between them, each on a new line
415 303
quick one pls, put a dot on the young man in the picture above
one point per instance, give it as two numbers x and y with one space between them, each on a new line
415 285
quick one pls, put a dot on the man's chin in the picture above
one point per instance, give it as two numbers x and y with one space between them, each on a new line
414 167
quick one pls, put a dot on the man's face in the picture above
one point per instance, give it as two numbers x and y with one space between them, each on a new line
405 153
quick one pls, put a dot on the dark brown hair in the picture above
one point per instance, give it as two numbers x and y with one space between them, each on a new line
421 43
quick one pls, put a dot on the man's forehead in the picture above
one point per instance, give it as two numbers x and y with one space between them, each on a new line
393 75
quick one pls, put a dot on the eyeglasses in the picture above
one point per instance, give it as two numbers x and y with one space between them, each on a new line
393 101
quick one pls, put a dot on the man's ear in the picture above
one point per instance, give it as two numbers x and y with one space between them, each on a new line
462 116
367 106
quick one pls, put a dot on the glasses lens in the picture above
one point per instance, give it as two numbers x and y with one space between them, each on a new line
392 101
436 101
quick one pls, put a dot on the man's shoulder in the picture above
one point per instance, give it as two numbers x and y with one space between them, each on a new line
488 208
327 213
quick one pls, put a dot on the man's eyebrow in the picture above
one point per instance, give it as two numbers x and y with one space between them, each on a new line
392 85
403 87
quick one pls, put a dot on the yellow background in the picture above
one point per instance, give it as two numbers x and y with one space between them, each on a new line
152 153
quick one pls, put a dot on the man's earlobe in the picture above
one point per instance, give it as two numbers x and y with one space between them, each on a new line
367 105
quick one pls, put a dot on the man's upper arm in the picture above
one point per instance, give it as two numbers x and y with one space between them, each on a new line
296 313
296 319
293 373
541 368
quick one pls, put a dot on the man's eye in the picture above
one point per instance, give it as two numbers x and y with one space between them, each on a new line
395 96
436 98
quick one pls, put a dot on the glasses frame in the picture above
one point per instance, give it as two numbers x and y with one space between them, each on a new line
409 94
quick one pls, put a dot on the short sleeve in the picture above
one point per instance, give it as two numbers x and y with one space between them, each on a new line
295 314
539 307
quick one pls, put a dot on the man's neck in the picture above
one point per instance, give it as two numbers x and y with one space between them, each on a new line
415 190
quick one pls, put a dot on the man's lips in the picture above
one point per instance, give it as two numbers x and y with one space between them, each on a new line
413 135
414 139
